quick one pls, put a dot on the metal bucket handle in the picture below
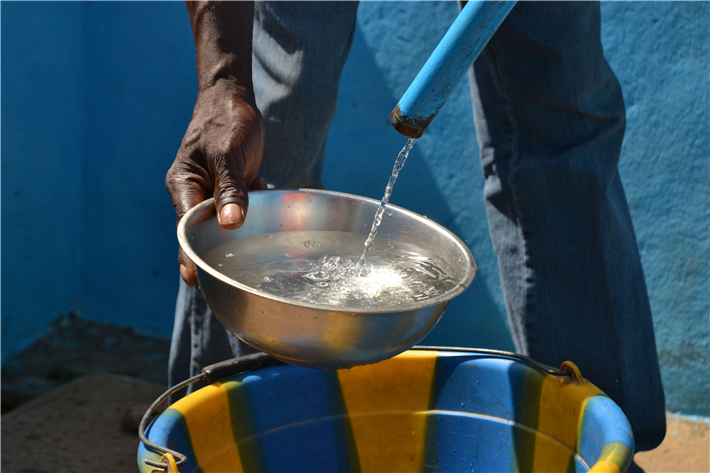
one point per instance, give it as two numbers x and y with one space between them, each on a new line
227 368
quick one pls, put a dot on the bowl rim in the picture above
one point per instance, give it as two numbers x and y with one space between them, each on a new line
461 286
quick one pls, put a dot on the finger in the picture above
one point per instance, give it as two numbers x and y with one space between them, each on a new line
258 184
188 270
186 185
230 192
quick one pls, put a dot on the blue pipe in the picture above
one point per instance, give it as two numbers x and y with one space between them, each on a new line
461 45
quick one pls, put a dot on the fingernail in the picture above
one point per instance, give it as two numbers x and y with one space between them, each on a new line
230 214
183 272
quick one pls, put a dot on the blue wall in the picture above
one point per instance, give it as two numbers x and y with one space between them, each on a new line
140 90
96 97
42 128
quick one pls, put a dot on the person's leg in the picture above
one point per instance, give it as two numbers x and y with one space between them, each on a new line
198 340
550 120
300 49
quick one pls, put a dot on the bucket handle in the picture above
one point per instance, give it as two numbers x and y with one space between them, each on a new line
506 354
256 361
209 374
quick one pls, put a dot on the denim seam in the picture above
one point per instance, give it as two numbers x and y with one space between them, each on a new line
196 339
527 273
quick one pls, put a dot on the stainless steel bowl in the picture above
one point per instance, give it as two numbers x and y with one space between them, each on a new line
320 336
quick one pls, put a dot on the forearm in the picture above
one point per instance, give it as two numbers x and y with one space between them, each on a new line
223 42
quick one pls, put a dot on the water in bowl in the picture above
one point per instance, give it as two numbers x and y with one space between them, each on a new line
319 267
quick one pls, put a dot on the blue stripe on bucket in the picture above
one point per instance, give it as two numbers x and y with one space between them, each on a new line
596 431
314 410
464 408
169 425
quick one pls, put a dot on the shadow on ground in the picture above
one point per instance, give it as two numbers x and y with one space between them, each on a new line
75 347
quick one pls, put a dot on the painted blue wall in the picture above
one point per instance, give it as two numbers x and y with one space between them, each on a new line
96 97
42 128
140 90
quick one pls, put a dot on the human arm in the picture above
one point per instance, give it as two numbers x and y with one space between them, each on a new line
221 150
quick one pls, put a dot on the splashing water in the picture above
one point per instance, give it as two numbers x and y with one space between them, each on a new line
398 165
318 267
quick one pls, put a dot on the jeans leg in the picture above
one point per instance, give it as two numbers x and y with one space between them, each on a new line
300 49
550 120
199 340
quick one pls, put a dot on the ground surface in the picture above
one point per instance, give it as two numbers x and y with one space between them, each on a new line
685 449
76 428
75 347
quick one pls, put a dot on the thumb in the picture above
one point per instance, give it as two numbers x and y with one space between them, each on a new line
230 193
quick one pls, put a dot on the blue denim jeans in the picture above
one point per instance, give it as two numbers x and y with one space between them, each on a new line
550 120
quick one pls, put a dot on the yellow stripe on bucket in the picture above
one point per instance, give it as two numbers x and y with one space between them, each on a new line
386 403
561 410
613 456
209 423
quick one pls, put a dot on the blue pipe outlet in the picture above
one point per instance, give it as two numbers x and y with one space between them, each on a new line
461 45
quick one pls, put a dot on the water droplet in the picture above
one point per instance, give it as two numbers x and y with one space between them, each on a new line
229 255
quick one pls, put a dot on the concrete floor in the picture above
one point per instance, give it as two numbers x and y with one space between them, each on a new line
685 449
76 428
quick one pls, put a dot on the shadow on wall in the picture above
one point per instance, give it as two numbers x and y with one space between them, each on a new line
41 167
138 105
361 150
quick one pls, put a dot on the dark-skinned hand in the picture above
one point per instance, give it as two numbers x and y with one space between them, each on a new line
220 155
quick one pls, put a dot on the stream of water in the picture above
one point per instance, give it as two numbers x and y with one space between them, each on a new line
398 165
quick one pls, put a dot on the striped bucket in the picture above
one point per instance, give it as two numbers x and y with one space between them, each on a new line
424 410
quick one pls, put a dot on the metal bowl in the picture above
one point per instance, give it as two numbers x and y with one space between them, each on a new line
310 335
